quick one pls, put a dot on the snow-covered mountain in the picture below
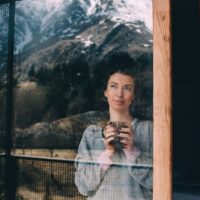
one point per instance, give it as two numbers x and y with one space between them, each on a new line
39 21
126 11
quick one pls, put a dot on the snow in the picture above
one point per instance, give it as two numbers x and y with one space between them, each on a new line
83 5
39 5
102 21
116 25
134 10
138 30
146 45
126 11
53 4
25 39
78 37
88 43
92 8
46 12
67 30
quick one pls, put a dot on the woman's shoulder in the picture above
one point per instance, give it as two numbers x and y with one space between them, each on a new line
144 135
92 129
143 124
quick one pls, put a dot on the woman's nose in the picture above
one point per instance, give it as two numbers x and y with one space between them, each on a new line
119 92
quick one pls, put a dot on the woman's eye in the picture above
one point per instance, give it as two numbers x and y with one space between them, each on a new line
113 86
127 88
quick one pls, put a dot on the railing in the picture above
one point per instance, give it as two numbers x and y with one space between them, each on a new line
44 179
38 178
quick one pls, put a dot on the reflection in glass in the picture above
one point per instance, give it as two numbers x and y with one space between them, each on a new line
63 54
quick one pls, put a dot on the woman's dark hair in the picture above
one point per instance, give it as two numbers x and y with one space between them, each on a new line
118 63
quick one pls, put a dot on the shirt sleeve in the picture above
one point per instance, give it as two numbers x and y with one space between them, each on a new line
104 161
141 159
132 155
89 172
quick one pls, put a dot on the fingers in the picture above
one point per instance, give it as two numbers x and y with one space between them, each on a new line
126 132
126 142
109 133
126 136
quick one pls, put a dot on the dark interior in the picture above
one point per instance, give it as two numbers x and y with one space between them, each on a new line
186 82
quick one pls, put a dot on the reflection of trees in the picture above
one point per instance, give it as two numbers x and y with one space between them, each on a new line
69 88
75 87
29 106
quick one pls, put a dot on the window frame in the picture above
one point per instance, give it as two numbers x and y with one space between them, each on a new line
162 100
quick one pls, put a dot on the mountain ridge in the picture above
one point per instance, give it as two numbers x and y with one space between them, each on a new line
37 22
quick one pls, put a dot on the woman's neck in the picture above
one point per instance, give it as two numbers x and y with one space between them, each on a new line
120 116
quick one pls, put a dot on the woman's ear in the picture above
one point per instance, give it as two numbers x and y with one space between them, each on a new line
105 93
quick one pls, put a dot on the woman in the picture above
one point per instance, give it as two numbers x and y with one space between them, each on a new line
104 169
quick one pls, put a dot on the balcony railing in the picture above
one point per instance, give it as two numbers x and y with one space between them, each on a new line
42 179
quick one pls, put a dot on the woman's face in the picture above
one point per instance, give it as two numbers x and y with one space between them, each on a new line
120 92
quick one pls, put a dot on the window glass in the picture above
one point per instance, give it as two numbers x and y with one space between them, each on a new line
83 94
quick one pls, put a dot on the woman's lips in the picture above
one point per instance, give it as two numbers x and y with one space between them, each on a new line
119 101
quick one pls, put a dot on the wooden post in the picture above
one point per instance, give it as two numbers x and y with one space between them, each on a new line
162 95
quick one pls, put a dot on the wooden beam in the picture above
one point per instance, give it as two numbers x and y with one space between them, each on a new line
162 106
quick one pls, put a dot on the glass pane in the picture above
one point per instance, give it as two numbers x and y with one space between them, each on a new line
83 93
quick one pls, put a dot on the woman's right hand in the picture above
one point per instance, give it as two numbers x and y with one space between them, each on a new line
109 133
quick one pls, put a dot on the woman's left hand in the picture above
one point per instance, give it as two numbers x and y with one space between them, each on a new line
126 138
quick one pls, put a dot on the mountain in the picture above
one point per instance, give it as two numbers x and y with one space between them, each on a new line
40 21
59 44
94 28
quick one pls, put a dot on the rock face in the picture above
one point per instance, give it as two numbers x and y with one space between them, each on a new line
48 33
41 21
93 44
64 133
